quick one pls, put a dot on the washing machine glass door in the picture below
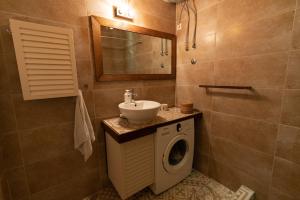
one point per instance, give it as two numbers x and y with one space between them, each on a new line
176 154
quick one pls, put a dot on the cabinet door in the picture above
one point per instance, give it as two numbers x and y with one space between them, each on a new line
130 164
138 164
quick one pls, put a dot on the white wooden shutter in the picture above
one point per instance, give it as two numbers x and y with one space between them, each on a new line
46 60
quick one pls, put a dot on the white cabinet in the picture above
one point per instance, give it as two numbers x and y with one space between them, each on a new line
130 164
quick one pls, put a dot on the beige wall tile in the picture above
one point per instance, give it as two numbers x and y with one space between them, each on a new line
198 96
202 135
58 170
82 43
286 177
267 71
291 108
200 73
296 33
12 73
200 4
85 186
11 151
118 85
85 74
162 94
107 101
16 182
259 104
243 158
293 71
234 178
202 163
49 9
158 8
263 36
6 38
259 135
51 141
234 12
155 22
2 167
288 145
277 195
159 82
7 122
4 78
184 94
53 111
99 131
202 99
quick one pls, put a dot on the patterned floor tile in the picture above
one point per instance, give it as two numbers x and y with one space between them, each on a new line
194 187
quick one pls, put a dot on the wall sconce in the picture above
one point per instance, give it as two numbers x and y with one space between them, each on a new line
124 10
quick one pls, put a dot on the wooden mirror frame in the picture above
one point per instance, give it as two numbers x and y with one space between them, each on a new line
97 22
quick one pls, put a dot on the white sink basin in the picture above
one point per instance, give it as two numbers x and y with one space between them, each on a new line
139 112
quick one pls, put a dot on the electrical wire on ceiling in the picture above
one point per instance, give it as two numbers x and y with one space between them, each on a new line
185 6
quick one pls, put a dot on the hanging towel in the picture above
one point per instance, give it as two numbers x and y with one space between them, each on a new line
83 132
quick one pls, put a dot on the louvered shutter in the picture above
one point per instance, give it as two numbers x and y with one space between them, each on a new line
46 60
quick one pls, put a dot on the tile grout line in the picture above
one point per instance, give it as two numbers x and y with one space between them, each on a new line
20 146
282 101
242 146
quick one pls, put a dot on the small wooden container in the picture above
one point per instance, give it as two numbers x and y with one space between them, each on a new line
187 108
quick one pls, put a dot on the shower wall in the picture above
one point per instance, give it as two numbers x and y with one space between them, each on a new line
247 137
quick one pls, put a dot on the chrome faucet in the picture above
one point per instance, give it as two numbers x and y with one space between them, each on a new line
129 96
133 94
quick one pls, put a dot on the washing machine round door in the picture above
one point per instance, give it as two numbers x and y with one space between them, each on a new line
176 154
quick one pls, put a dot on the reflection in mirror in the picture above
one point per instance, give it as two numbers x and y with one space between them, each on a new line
127 52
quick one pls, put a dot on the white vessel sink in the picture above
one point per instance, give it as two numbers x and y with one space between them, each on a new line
139 112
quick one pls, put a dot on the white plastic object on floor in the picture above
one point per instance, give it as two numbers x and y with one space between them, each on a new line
245 193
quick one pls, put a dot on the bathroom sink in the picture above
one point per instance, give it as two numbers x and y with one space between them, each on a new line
139 112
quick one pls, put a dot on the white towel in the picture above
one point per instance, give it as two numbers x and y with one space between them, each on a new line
83 132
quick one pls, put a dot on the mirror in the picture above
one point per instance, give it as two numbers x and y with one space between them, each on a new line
127 52
133 53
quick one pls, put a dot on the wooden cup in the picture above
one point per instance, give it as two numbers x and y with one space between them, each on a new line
187 108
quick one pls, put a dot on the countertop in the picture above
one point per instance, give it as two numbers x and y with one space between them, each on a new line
122 131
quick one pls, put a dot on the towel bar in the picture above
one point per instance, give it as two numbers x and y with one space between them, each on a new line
227 87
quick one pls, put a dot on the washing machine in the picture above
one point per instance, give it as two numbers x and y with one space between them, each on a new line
174 152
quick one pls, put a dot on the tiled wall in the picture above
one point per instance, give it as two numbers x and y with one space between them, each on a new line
36 137
248 137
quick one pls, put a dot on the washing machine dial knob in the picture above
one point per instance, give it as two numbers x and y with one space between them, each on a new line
179 128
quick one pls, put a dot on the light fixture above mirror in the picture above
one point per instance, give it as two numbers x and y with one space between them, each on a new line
123 9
